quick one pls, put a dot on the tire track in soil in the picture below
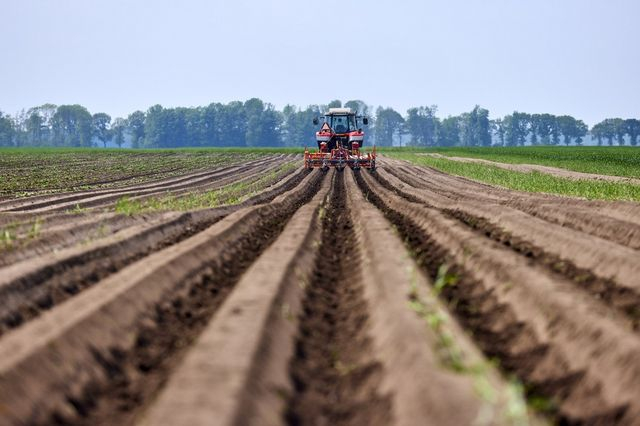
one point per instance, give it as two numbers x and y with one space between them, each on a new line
335 379
132 376
622 299
575 395
27 296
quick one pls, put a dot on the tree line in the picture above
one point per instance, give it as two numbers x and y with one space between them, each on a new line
255 123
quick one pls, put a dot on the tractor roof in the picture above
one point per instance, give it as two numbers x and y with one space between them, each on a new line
339 111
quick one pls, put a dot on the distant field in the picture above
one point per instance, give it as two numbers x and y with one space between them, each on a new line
614 161
611 161
30 171
33 171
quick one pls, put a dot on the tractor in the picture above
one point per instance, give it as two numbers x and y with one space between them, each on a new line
339 142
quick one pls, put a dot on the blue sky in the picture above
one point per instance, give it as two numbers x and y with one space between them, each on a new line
559 56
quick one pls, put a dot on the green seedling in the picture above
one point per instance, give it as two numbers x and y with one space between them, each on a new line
34 231
444 279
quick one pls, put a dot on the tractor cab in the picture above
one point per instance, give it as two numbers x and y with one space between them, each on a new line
339 141
342 123
341 127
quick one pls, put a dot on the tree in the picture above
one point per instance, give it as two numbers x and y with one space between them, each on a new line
35 124
271 126
449 132
607 129
263 123
6 130
20 128
118 129
516 128
545 125
619 130
597 131
475 128
632 128
72 126
571 129
580 131
359 106
336 103
298 128
566 125
497 127
422 124
555 132
101 123
209 117
135 124
534 126
39 124
388 123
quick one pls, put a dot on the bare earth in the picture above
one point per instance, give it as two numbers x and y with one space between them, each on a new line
528 168
351 298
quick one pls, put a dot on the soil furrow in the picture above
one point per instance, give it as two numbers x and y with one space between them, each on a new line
599 266
76 229
57 279
240 369
94 200
335 376
562 345
236 371
121 338
223 169
623 298
45 200
614 221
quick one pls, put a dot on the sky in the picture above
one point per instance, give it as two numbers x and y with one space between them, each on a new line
577 57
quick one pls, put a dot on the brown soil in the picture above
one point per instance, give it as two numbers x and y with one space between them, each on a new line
53 279
601 286
103 197
347 298
335 378
564 345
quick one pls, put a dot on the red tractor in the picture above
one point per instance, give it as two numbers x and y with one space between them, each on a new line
339 142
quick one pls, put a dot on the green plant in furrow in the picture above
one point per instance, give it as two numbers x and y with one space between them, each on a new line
453 357
8 236
529 182
227 195
34 231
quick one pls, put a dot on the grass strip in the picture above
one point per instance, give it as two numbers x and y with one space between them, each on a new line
529 182
612 161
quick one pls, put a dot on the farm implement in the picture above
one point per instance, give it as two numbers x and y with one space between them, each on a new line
339 142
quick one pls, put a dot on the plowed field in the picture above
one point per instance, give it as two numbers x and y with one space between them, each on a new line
400 296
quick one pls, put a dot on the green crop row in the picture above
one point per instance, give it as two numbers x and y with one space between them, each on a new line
530 182
614 161
25 172
227 195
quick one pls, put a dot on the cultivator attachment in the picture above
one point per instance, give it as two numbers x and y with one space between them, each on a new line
339 141
340 158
